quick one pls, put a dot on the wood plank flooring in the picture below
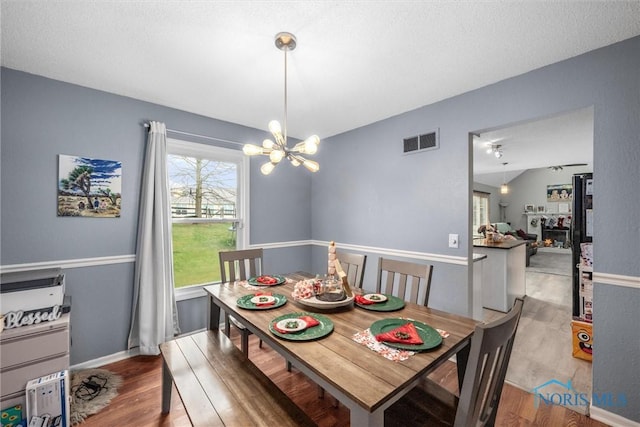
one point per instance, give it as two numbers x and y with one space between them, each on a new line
139 400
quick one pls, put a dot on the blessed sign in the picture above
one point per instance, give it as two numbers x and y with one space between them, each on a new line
14 319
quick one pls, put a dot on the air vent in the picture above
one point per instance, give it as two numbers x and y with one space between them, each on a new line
424 142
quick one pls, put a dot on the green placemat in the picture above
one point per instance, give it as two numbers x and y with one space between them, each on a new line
391 304
245 302
254 280
315 332
430 337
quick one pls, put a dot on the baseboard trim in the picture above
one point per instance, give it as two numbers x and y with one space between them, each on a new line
122 355
105 360
610 418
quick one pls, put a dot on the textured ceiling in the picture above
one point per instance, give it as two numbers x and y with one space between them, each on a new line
357 62
553 141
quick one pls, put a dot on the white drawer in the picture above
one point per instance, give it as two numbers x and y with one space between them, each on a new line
15 380
33 347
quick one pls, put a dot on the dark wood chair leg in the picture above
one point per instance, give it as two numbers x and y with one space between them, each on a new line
244 343
227 325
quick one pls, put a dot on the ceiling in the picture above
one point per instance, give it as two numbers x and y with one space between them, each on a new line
357 62
552 141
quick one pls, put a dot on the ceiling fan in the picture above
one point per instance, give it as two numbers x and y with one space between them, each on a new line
560 167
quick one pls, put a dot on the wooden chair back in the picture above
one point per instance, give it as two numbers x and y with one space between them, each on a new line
398 274
353 266
240 264
491 346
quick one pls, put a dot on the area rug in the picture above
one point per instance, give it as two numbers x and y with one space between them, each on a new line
91 391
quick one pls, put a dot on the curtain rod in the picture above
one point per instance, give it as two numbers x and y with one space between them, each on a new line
146 125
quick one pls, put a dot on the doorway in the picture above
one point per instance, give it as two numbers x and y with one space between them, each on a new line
527 158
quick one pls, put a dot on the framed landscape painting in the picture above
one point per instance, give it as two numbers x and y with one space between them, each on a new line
89 187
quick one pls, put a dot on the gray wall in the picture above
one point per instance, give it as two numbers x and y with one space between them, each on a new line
530 187
371 194
367 192
42 118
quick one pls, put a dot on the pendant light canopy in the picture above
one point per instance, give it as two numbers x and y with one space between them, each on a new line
278 149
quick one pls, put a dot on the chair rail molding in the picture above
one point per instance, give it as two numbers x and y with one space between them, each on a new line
69 263
616 280
425 256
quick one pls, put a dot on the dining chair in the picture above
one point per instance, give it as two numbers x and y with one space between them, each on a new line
397 273
431 404
353 265
239 265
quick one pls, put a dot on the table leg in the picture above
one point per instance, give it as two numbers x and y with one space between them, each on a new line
214 315
167 383
462 357
364 418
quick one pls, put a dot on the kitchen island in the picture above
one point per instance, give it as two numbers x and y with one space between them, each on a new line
503 272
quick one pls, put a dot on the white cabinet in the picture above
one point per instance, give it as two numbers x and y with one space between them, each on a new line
30 352
503 273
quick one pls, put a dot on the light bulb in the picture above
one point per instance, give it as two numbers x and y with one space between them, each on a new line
276 131
267 168
504 189
268 144
274 126
294 160
315 139
251 149
311 165
498 154
311 144
276 155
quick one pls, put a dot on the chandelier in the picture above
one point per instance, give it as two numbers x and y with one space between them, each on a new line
496 149
278 149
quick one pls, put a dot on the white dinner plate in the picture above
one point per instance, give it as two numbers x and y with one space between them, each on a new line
375 297
262 299
291 325
316 303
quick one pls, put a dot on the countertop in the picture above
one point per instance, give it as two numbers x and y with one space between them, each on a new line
507 244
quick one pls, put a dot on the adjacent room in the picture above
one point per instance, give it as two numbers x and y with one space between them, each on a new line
319 213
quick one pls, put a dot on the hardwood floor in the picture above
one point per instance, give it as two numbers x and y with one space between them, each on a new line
139 399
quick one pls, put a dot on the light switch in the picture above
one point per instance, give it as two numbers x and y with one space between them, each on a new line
453 240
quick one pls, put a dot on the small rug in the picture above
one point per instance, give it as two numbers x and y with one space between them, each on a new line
91 391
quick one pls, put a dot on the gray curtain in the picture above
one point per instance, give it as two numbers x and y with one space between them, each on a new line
154 317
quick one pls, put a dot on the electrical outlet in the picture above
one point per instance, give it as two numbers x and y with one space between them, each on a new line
453 240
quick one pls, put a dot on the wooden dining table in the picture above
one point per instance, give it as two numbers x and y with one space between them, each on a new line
361 379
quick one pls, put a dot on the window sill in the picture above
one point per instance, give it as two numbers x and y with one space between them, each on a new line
191 292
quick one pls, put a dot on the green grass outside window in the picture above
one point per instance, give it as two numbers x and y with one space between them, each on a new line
195 252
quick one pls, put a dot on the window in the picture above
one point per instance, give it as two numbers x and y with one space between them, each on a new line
480 210
208 208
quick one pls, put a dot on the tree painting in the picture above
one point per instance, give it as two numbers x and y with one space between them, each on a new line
89 187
